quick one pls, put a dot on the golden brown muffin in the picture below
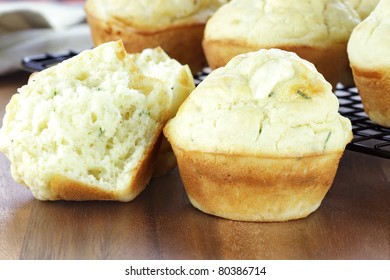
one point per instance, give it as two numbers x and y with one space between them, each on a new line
90 127
317 31
176 26
259 139
369 54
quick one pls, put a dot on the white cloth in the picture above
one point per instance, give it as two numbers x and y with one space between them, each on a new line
34 28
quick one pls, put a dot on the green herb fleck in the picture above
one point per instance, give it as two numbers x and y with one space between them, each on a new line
259 133
101 131
302 94
144 112
271 94
54 92
327 139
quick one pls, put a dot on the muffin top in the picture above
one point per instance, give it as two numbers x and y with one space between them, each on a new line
363 7
154 14
269 103
369 45
283 23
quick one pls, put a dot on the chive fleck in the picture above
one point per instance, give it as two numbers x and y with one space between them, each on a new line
258 135
101 131
327 139
302 94
144 112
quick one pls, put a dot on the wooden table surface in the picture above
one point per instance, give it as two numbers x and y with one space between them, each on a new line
353 221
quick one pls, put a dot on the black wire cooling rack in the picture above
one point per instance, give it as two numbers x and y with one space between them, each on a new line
42 61
369 138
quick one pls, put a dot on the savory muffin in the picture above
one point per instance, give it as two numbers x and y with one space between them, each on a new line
317 31
259 139
369 54
90 127
176 26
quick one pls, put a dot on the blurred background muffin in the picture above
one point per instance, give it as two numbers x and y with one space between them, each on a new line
176 26
317 31
363 8
369 54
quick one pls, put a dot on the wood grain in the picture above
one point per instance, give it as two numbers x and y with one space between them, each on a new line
353 221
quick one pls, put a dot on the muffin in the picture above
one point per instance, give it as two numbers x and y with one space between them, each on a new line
176 26
363 8
369 55
259 139
317 31
90 127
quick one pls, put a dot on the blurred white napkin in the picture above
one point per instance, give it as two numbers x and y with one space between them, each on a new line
34 28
